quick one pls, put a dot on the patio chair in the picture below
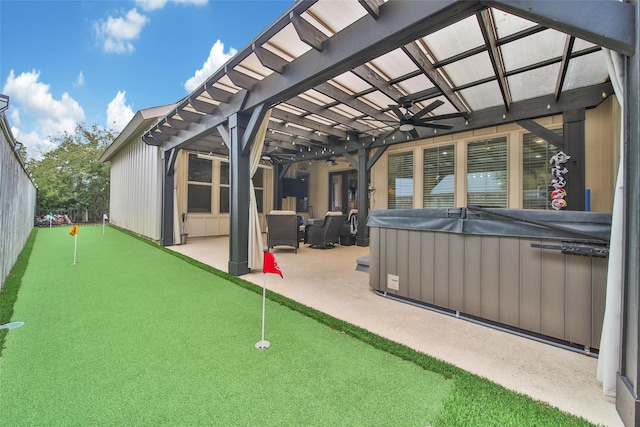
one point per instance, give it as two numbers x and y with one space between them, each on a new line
282 229
327 234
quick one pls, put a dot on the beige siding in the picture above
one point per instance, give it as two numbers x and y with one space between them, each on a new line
136 190
602 145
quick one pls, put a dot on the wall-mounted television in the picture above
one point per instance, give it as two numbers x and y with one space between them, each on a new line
292 187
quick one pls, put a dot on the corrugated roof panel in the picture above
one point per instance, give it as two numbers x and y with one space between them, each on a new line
252 66
288 42
470 69
297 126
415 84
458 37
207 99
334 14
394 64
225 83
204 96
585 71
507 24
229 88
321 120
346 111
276 50
375 124
363 100
536 48
534 83
377 99
290 109
483 96
349 83
342 127
316 97
580 44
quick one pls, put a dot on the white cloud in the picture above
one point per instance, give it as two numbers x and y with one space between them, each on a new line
52 117
117 34
15 117
216 59
149 5
79 80
118 113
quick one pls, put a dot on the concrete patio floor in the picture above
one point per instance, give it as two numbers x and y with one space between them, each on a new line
327 281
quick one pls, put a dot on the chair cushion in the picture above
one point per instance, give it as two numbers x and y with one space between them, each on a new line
282 213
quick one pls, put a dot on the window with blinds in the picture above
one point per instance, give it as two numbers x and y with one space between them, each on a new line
225 195
400 181
536 171
487 173
438 177
199 185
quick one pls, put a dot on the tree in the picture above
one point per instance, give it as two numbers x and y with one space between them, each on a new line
72 176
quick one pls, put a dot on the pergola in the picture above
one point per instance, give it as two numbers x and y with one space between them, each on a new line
351 78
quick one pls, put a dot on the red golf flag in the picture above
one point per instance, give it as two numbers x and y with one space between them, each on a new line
269 264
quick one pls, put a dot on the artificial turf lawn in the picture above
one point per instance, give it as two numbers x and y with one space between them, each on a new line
134 336
137 335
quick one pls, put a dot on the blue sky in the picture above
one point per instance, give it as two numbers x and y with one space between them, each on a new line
98 62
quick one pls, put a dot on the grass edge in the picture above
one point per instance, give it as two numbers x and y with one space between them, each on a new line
12 283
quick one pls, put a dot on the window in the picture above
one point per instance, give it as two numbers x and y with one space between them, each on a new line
487 173
400 181
199 186
258 185
438 177
224 187
536 171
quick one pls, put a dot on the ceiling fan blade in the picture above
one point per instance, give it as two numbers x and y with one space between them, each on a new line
435 104
432 125
414 133
398 113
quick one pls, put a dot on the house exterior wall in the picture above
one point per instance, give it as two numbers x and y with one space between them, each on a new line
136 190
319 185
602 134
317 191
17 203
215 223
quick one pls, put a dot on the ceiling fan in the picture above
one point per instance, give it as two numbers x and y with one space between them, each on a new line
407 121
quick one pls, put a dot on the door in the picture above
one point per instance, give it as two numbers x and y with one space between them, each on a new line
343 191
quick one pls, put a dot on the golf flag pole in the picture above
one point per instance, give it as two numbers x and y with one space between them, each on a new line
74 233
269 265
104 218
